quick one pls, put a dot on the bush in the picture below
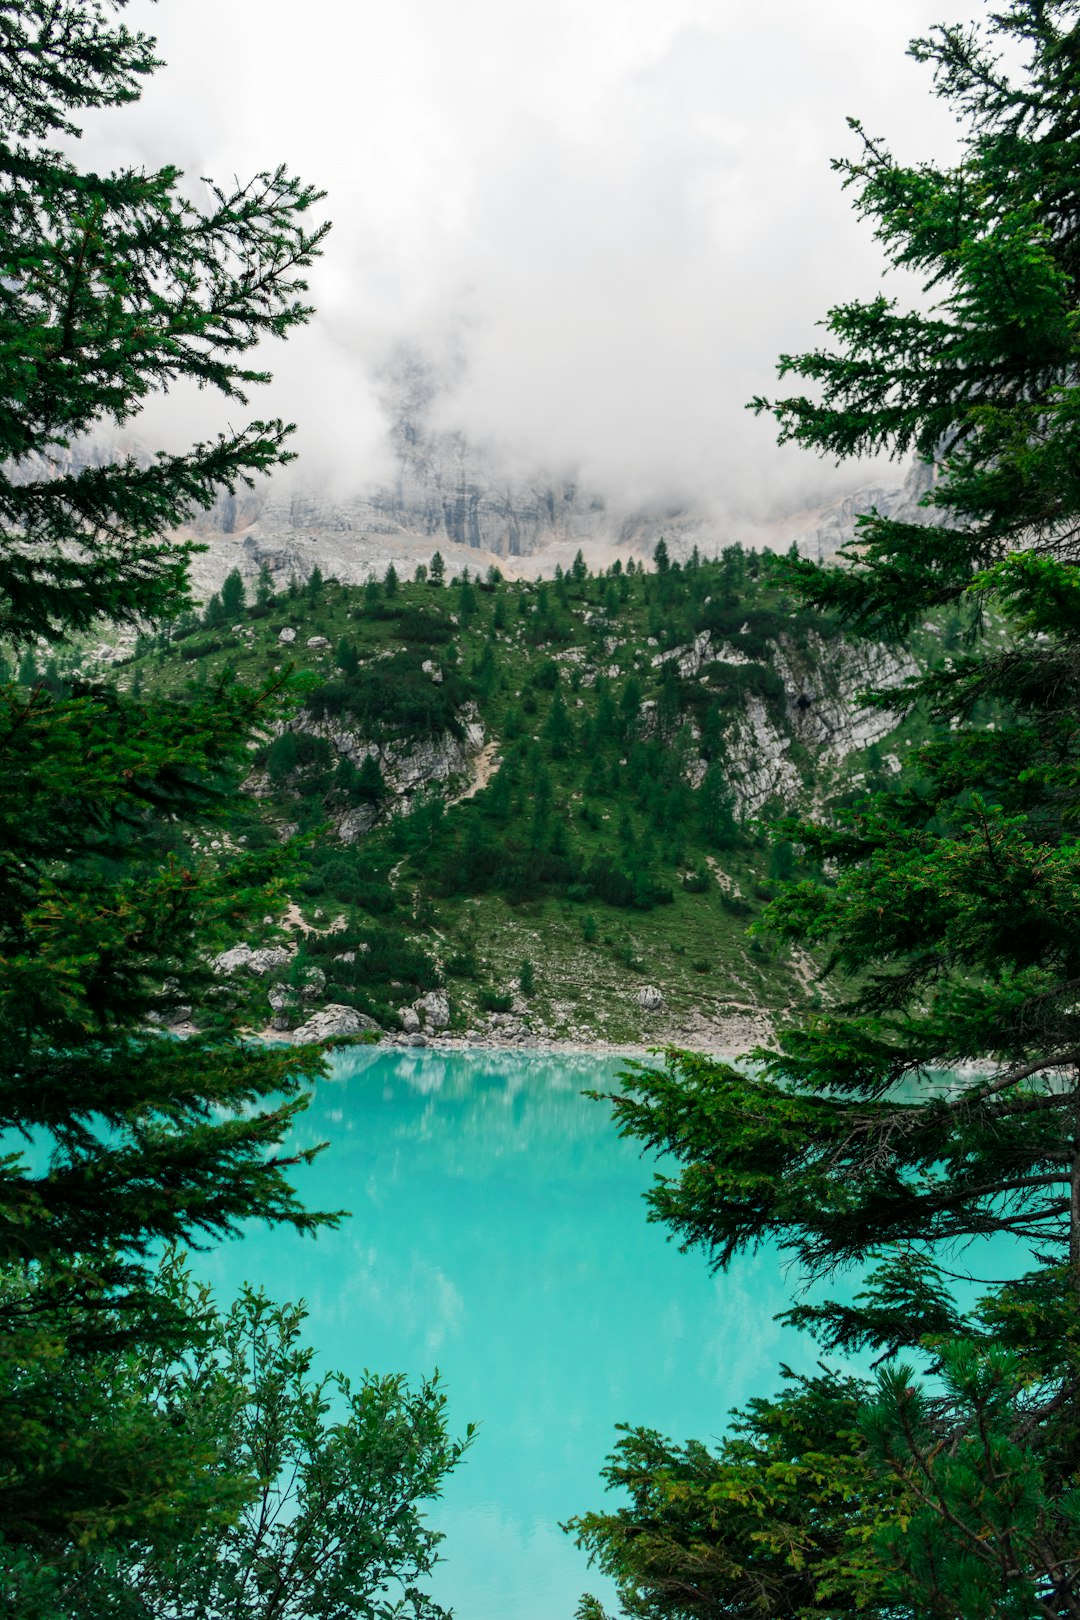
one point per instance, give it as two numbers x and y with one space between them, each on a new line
429 629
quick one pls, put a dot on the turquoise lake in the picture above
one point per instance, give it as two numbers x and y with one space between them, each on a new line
498 1233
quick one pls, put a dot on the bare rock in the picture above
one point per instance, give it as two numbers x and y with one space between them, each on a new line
263 960
232 960
268 958
314 984
649 998
287 636
434 1008
332 1021
317 641
410 1020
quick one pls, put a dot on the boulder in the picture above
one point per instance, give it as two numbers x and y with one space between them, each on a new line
268 958
282 1003
232 960
332 1021
287 636
264 960
649 998
410 1020
317 641
434 1008
432 670
314 984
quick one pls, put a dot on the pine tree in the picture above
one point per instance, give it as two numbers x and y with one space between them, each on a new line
371 784
233 596
264 589
951 914
347 657
390 581
437 571
110 902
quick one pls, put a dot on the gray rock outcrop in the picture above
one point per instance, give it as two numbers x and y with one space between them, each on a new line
434 1008
262 960
333 1021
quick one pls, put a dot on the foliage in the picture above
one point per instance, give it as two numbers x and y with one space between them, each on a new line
118 1137
120 285
948 918
302 1494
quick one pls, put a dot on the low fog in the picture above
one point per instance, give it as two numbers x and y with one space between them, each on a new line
598 222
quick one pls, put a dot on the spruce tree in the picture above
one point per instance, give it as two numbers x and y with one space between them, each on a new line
950 917
112 902
233 596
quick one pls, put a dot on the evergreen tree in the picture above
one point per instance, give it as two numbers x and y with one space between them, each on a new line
233 597
559 729
371 784
124 286
390 581
438 569
214 613
661 557
579 573
119 286
264 589
951 914
467 605
315 584
347 657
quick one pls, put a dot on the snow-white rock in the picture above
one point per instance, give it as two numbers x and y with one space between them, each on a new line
287 636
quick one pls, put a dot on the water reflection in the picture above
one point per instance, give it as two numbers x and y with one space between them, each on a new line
498 1232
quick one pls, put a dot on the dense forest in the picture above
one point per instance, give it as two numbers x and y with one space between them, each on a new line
595 761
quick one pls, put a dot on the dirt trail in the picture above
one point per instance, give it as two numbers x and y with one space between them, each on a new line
485 765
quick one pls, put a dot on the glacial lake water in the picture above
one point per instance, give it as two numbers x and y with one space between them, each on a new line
498 1233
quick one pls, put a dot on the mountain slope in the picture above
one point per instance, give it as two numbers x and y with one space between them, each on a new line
546 800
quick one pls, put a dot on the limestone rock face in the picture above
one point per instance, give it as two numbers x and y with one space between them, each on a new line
314 984
408 764
434 1008
263 960
283 1004
333 1020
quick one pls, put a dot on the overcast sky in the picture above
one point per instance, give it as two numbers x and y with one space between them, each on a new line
607 217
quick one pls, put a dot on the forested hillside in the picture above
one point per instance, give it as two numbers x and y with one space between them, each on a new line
552 802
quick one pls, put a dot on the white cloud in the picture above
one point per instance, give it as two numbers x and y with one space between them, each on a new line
615 212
